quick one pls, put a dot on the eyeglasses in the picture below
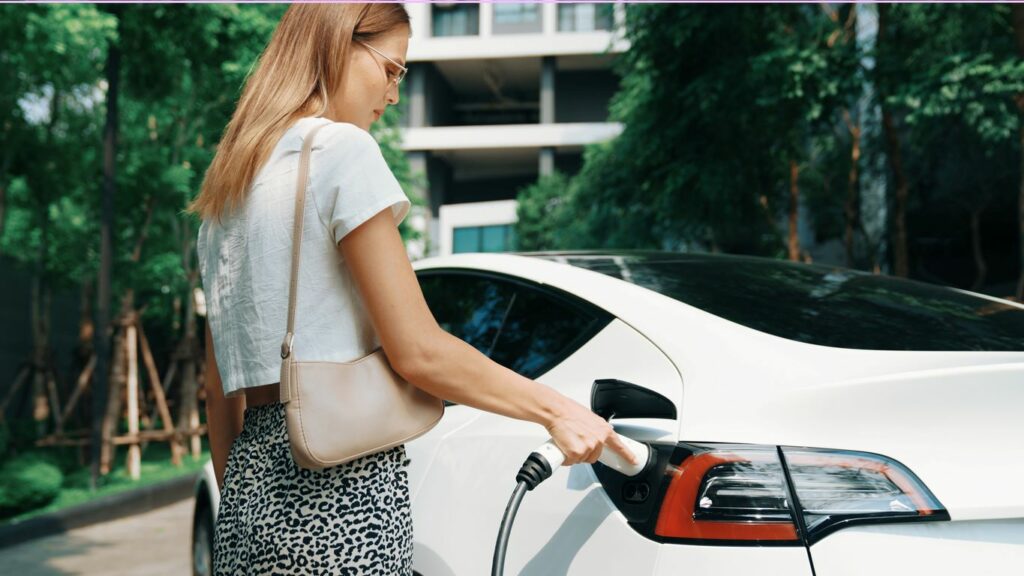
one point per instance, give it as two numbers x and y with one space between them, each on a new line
404 70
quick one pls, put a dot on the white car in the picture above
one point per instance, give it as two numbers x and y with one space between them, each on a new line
807 420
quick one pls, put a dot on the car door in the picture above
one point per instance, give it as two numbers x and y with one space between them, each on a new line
566 525
471 309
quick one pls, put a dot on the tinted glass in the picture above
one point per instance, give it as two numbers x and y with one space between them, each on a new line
540 330
585 17
466 239
494 238
455 19
822 305
516 18
469 307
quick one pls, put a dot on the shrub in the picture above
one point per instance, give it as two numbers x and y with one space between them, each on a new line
28 481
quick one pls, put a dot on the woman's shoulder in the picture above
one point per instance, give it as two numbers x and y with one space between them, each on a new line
344 138
333 139
331 135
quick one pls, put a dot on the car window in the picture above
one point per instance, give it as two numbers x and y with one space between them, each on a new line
824 305
468 307
540 330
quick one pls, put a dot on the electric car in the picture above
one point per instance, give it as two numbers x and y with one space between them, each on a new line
803 419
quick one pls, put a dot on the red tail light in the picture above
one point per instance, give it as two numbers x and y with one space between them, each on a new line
742 494
841 487
728 494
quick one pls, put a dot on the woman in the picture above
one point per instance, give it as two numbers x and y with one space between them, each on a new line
335 65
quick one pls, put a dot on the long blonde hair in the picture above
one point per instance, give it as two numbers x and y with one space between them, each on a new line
294 77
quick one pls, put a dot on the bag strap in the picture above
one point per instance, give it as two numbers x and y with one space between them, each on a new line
300 204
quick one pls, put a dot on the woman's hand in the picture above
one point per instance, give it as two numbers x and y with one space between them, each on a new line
582 435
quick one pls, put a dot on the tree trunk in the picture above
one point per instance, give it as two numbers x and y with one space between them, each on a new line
100 374
8 159
117 380
119 370
42 184
42 298
981 269
188 405
793 243
1018 33
86 335
1020 210
851 209
901 259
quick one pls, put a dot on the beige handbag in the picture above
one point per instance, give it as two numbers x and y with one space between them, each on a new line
340 411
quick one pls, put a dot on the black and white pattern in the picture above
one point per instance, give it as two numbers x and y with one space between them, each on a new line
277 518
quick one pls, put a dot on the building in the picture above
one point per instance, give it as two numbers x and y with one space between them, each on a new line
497 95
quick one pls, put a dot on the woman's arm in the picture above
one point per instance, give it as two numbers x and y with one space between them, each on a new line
449 368
223 415
418 349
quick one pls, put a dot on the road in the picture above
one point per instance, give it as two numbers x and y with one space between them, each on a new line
154 543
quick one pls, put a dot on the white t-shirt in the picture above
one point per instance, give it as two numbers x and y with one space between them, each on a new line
245 260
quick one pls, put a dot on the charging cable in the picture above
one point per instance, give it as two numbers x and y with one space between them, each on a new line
538 467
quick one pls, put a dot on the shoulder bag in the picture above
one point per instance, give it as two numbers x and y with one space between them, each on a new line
339 411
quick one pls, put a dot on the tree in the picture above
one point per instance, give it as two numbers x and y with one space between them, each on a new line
169 77
741 121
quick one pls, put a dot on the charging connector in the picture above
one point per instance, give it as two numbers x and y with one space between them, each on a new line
534 470
538 467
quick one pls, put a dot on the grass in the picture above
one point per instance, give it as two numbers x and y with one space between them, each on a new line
156 467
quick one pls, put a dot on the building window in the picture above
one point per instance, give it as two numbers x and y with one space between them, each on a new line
498 238
516 18
455 19
585 17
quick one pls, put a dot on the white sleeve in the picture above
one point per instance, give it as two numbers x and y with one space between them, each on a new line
351 180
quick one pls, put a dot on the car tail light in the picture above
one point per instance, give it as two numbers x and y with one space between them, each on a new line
742 494
728 493
837 487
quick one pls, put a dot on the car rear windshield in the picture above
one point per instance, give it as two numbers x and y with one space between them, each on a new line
820 304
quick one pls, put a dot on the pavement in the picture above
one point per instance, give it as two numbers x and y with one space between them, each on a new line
152 543
103 509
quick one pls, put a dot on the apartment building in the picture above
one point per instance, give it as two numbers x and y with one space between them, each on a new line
497 95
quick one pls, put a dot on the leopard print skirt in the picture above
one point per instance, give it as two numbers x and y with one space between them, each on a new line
277 518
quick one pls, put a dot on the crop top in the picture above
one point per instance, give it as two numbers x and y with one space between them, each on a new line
245 259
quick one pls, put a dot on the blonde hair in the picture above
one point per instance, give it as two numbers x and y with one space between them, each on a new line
294 77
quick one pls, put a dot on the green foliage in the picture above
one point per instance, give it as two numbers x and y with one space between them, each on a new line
387 134
543 215
975 89
26 482
182 70
956 64
700 159
716 102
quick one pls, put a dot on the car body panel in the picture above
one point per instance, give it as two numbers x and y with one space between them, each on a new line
746 386
206 483
562 525
423 450
676 559
940 413
978 548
